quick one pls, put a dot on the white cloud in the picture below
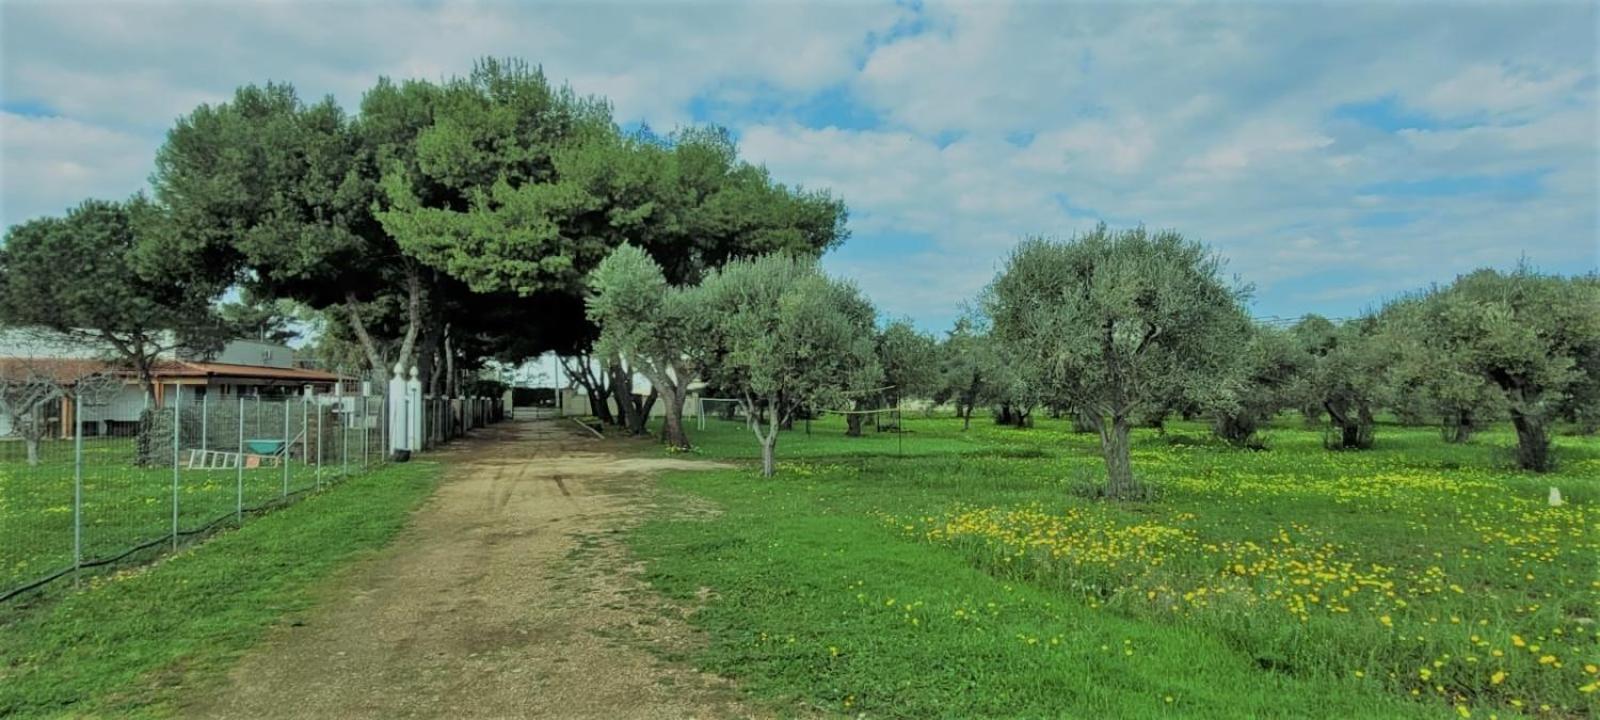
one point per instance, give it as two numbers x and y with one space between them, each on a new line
998 120
1093 146
1499 89
50 163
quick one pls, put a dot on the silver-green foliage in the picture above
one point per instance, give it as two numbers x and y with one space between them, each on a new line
1261 385
1430 383
1531 336
783 336
1346 375
653 326
967 366
1112 323
909 358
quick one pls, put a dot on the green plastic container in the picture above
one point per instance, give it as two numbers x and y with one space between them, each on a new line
264 447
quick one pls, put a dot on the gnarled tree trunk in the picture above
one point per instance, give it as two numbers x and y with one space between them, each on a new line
769 454
1353 425
594 386
31 436
766 431
621 390
1533 441
1114 445
1459 426
672 432
1237 428
639 413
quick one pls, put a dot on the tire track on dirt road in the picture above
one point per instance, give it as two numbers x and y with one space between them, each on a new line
472 613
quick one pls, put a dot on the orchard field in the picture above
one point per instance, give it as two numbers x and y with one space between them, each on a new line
950 573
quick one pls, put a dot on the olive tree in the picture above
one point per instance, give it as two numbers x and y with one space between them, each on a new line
910 368
1262 386
1528 334
1115 322
26 397
909 360
782 336
1430 383
652 326
1016 388
1346 375
967 366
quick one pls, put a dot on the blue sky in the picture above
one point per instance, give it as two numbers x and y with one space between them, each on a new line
1335 154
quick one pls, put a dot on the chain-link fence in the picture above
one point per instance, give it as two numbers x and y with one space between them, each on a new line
93 489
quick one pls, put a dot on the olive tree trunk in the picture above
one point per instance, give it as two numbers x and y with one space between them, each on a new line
1533 441
1114 445
639 413
766 431
1354 426
1458 427
769 462
672 432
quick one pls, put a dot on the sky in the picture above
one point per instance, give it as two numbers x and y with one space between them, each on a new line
1334 154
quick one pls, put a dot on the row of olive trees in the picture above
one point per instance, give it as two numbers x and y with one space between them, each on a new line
774 330
1121 328
1117 329
1492 345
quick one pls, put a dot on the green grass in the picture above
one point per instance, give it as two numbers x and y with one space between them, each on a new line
123 644
959 575
124 505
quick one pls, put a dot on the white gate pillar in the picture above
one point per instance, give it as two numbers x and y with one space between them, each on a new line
414 411
399 400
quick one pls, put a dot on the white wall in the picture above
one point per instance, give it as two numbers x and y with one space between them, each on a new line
574 401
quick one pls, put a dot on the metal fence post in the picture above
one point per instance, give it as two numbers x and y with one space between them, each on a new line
238 500
366 434
320 438
383 424
288 445
344 441
77 483
205 417
305 425
177 440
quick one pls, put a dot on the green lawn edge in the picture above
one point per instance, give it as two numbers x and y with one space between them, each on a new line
125 644
781 561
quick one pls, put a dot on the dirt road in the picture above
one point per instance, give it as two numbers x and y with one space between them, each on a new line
479 608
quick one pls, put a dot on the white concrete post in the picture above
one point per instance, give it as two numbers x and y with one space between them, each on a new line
399 401
414 421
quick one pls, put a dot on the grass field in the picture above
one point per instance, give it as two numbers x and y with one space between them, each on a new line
957 574
129 643
124 505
